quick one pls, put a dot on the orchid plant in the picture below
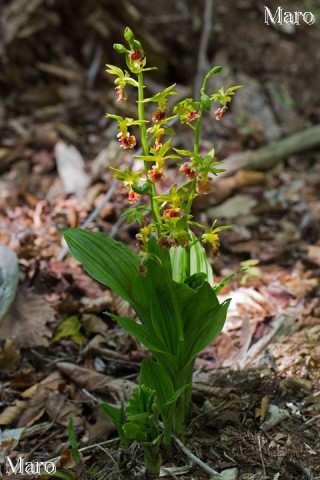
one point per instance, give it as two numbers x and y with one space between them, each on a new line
169 282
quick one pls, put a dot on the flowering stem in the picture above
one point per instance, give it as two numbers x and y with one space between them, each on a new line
195 151
145 150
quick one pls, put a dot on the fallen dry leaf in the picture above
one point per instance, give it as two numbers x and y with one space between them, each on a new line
314 253
38 396
9 439
101 429
93 381
59 409
9 356
12 413
25 324
70 167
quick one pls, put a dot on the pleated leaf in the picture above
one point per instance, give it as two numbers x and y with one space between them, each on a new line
205 330
106 260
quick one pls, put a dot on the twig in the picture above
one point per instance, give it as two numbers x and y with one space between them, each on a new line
308 422
196 460
94 66
94 446
261 456
203 47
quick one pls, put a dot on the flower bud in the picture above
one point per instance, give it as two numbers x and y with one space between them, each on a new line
129 36
215 70
119 48
205 101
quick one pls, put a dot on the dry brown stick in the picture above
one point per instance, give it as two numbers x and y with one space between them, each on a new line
267 157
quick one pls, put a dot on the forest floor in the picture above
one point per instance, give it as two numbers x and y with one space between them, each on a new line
256 397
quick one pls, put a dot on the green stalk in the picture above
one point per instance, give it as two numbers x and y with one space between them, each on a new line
145 150
197 137
167 428
152 458
195 151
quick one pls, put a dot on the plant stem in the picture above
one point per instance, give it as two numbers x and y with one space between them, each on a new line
195 151
145 150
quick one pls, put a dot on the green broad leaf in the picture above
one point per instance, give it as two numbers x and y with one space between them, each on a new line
142 415
141 333
134 430
156 378
196 280
166 317
73 442
70 328
196 310
106 260
115 414
205 333
117 417
177 394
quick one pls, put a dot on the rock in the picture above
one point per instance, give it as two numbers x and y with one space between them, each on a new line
9 277
229 474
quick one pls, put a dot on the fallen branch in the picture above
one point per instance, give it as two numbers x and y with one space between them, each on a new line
196 460
267 157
